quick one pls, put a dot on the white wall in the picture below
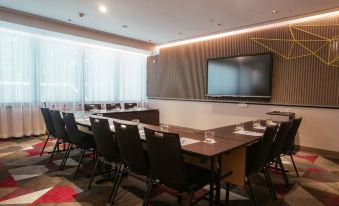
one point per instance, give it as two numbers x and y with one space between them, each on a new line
319 128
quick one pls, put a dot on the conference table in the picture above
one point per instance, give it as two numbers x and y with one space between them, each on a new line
144 115
225 158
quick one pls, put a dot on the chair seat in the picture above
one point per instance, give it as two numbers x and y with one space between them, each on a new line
197 176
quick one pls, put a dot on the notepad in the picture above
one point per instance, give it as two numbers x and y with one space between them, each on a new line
187 141
244 132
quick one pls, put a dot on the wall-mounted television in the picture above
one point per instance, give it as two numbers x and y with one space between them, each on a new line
241 76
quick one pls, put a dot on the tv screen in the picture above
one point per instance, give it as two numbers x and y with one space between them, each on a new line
243 76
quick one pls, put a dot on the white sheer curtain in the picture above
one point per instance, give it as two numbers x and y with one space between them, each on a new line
60 71
18 108
129 72
36 70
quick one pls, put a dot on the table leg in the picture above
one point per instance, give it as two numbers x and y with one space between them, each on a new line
217 182
212 181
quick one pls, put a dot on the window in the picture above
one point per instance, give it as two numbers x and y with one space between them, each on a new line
128 71
16 69
39 69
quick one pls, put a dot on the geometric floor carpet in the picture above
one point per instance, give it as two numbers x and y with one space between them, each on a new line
26 178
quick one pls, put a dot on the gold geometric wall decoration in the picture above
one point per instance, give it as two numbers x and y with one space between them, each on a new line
320 41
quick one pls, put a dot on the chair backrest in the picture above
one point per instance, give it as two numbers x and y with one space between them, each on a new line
165 155
113 106
89 107
130 105
104 139
48 121
257 153
72 128
131 149
59 125
289 143
279 140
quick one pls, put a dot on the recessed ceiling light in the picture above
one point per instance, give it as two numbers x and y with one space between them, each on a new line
275 11
219 24
124 26
103 9
179 33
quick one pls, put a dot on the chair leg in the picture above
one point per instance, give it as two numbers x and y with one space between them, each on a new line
269 183
43 148
116 187
295 168
77 170
93 173
55 147
254 199
117 173
148 191
179 199
64 160
283 171
227 196
191 195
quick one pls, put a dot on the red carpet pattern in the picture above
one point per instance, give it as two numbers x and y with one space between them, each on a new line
26 178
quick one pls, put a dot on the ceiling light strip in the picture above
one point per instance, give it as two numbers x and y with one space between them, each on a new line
252 29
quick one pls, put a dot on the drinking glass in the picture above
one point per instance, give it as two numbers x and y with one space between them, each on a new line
256 123
136 121
209 137
269 121
239 126
164 127
288 109
85 116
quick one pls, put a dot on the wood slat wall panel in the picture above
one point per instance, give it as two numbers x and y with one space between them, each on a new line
179 72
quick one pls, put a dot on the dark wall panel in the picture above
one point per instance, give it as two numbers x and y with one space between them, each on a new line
179 72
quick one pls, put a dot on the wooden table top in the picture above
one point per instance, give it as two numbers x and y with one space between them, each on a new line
227 132
123 110
200 148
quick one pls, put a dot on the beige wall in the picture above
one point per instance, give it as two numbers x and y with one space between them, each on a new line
319 129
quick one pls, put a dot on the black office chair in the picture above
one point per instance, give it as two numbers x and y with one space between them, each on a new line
84 142
90 107
61 134
113 106
278 148
49 126
256 157
133 155
167 165
107 148
130 105
289 143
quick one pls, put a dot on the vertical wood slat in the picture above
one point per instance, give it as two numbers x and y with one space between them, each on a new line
179 72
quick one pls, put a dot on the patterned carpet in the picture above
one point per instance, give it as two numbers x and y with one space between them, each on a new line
28 179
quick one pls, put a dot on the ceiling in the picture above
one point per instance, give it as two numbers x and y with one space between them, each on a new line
164 21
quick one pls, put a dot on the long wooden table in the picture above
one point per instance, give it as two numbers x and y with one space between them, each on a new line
226 156
144 115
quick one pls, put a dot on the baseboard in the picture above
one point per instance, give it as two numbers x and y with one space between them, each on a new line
326 153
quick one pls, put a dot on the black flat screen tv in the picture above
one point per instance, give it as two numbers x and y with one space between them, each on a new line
242 76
